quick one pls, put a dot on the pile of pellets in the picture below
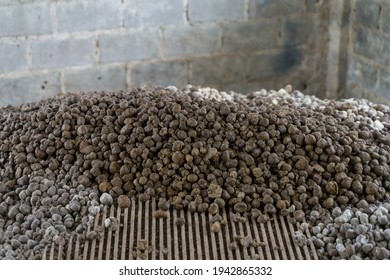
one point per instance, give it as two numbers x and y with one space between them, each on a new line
322 163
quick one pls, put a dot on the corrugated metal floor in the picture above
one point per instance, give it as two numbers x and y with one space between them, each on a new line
138 235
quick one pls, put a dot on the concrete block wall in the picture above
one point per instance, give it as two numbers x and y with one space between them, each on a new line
368 51
47 47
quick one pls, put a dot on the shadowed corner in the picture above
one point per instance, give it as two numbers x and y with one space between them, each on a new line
287 59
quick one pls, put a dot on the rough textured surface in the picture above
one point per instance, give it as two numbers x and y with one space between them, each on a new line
161 73
293 41
28 19
101 14
277 152
236 35
12 57
62 53
140 14
216 10
269 8
95 79
116 48
183 41
352 233
43 85
368 13
368 45
131 36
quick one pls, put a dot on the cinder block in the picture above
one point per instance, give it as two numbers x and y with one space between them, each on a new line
274 8
7 2
62 53
362 74
96 79
215 10
367 13
160 74
139 13
261 66
25 19
383 57
134 46
367 43
218 70
386 18
12 57
190 40
289 60
353 91
95 15
251 35
28 88
299 31
384 84
311 6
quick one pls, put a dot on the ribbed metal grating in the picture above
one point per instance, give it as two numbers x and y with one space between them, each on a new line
139 235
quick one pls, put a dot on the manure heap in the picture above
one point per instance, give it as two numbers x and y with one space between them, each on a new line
75 168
